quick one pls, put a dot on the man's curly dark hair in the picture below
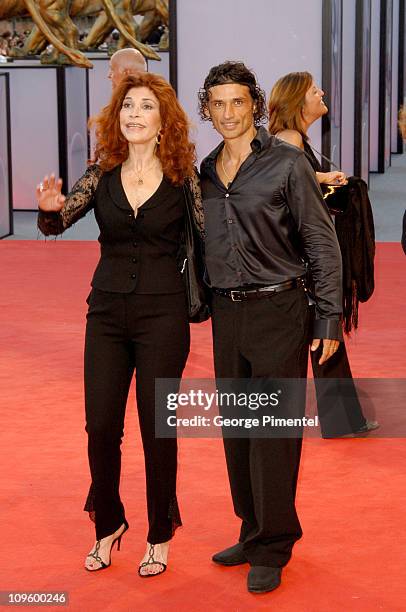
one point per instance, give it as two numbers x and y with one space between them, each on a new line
233 72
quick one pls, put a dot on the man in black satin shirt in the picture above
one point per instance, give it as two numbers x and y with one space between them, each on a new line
265 222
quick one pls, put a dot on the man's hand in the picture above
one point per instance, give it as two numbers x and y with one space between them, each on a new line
329 348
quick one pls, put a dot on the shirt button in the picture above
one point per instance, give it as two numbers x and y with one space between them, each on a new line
227 195
230 221
133 275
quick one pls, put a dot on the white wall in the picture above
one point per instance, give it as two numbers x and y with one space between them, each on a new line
34 130
374 92
348 92
272 37
4 161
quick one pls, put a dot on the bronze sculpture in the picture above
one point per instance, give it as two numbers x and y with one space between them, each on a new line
53 24
154 12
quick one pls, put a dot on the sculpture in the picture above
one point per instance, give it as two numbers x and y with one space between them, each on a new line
53 24
153 11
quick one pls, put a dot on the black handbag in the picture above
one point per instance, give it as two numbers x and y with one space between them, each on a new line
336 197
191 262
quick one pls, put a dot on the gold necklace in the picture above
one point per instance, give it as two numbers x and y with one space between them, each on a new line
240 164
139 179
224 170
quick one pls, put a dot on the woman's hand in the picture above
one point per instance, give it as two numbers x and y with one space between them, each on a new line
332 178
49 196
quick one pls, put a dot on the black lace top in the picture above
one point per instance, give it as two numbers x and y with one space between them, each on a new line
139 252
80 200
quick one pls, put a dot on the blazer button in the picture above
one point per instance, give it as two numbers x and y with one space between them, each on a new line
133 275
134 260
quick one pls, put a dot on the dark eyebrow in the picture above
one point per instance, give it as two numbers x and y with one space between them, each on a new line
239 98
143 99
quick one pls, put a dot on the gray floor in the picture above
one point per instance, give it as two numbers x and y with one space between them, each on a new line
25 228
387 195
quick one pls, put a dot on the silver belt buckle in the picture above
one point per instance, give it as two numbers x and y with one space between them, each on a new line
233 298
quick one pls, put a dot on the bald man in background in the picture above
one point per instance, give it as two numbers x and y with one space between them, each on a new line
125 62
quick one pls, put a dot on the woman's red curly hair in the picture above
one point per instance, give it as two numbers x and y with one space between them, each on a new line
175 151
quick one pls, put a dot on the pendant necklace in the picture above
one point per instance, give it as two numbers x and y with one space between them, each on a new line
229 180
139 179
225 171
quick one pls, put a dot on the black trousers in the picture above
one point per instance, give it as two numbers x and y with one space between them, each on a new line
261 339
338 405
148 333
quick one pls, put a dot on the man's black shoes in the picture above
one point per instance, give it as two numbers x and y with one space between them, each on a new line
230 556
263 579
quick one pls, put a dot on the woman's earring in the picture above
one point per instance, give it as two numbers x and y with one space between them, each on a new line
158 138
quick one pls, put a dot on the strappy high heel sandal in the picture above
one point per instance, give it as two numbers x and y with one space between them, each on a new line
151 561
95 554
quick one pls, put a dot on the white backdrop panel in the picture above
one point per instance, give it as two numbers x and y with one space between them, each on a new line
348 93
161 67
34 131
76 123
374 93
4 162
271 37
99 90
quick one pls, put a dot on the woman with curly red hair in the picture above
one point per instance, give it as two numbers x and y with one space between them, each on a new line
141 186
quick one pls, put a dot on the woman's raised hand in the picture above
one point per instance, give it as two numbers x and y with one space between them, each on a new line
49 196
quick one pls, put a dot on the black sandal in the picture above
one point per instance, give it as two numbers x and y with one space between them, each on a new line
151 561
95 554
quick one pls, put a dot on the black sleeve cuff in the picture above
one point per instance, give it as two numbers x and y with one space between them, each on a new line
50 223
330 329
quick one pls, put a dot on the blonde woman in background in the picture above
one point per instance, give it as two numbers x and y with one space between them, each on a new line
295 103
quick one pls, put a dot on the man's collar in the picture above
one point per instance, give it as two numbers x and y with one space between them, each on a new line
261 140
257 144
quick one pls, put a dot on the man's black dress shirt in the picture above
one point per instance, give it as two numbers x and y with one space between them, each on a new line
268 223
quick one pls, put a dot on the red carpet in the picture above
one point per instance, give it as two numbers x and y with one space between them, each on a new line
351 495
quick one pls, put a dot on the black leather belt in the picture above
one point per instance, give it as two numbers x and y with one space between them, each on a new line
238 295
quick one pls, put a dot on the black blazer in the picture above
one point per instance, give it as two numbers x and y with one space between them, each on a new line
138 252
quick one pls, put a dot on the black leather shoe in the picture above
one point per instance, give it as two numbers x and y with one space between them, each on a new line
230 556
263 579
362 431
365 429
